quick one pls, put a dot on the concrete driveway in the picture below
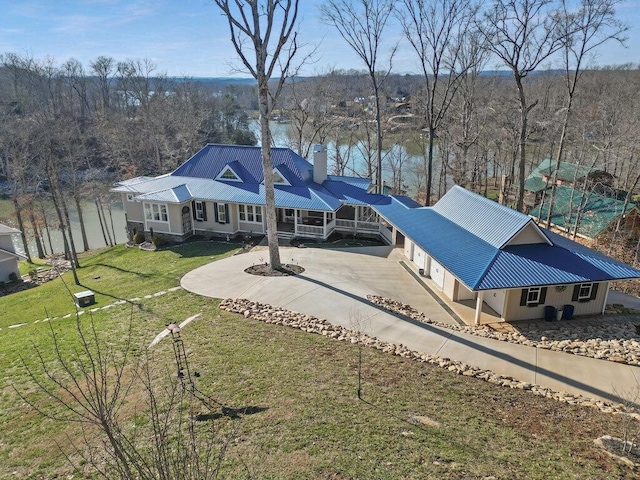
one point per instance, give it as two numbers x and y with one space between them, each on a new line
335 284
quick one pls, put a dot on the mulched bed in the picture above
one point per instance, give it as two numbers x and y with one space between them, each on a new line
264 270
629 453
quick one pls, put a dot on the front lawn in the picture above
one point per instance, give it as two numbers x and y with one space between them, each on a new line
113 274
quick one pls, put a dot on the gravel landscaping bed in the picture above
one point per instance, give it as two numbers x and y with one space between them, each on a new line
613 336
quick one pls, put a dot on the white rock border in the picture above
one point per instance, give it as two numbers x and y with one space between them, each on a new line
310 324
615 342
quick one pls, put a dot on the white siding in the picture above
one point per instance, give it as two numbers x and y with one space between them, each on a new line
495 299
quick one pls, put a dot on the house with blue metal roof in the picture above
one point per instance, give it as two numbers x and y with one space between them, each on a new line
476 250
219 191
473 249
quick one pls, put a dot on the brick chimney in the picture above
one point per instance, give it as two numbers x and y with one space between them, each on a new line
319 164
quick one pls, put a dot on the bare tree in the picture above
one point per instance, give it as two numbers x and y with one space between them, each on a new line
361 23
438 30
265 29
93 384
523 34
591 26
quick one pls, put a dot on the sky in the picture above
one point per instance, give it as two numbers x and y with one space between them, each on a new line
191 38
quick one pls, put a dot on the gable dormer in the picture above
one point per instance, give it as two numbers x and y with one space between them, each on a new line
279 179
527 235
229 175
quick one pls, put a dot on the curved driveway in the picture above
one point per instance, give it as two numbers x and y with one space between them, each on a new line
335 284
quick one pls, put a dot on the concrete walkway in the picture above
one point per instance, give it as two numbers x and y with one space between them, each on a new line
335 284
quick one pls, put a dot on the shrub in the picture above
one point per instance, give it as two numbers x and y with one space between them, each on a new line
13 277
158 241
33 274
138 237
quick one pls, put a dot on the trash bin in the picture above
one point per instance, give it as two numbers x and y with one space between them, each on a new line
559 314
549 313
567 312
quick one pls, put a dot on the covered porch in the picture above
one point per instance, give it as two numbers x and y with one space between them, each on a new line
294 222
350 219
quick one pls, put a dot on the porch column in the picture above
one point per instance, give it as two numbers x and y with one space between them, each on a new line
606 297
324 224
355 218
295 221
479 300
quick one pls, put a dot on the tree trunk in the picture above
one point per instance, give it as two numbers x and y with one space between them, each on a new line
65 210
83 232
46 227
429 179
104 234
563 135
523 144
23 236
36 233
376 92
267 167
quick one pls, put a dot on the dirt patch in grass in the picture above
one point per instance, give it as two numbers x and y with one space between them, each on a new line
265 270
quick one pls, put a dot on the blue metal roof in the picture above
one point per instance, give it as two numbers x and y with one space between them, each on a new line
246 161
198 178
177 194
472 211
360 182
406 201
482 265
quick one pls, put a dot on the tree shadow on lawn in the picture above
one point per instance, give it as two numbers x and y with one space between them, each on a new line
233 413
202 248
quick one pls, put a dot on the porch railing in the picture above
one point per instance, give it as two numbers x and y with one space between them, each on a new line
386 234
352 225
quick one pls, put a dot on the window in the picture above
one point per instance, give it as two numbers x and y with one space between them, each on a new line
156 212
584 292
228 174
199 209
278 179
250 213
222 212
533 296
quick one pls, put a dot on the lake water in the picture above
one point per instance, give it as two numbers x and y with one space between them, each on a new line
356 165
92 228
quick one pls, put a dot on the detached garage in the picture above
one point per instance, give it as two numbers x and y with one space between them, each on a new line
476 249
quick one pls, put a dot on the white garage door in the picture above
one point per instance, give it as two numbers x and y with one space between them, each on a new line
419 257
436 272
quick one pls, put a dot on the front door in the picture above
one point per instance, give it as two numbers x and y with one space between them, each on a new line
187 231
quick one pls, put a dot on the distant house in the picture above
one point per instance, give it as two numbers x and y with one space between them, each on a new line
475 249
8 255
568 175
585 200
589 213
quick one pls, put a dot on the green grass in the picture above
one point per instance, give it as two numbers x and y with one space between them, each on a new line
309 422
113 274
